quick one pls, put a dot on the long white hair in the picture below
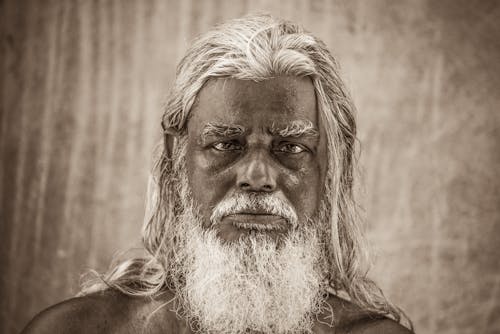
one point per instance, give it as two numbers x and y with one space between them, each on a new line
257 47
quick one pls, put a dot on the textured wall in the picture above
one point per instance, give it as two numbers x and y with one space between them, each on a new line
82 83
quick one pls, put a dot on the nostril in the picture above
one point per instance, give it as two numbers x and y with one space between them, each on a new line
267 187
246 186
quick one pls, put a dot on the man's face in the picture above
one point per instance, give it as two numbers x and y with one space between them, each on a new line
260 139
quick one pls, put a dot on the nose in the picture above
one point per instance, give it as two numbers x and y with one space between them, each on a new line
256 173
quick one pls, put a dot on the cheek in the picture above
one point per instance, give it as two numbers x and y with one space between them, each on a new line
292 181
206 187
303 189
196 170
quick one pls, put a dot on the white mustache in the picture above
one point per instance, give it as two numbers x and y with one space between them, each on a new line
248 202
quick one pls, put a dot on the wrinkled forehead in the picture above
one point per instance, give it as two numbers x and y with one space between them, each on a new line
277 101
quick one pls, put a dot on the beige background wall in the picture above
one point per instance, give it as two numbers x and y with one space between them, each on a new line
82 83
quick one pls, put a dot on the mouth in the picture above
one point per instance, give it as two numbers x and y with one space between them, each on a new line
256 221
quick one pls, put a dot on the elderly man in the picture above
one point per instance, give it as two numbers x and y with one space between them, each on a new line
251 225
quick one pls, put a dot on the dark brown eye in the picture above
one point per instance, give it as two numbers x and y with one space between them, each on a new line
291 148
226 146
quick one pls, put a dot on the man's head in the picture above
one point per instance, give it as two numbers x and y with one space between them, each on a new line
260 132
251 212
237 88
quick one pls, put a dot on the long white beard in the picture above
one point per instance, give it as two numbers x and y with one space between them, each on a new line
252 284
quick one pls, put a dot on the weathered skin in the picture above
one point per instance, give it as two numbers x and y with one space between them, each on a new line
112 312
255 161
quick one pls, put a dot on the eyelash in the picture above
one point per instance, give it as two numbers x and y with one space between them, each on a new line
219 146
281 148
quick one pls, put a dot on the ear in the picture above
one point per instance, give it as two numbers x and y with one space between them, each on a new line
169 135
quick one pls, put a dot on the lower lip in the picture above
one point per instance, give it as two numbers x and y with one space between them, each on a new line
256 221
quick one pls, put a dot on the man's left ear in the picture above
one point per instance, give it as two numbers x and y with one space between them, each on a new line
169 135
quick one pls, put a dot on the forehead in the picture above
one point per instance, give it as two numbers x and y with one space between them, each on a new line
270 102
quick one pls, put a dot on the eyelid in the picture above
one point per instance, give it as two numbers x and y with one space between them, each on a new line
209 141
226 142
303 147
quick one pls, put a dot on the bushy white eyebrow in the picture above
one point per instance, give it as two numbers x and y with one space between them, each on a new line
296 128
222 130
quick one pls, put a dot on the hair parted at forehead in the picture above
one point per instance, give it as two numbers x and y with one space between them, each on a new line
257 48
260 47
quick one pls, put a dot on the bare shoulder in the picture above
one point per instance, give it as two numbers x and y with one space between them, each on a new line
378 326
342 316
104 312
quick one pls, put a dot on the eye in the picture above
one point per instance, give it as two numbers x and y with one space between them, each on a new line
225 146
291 148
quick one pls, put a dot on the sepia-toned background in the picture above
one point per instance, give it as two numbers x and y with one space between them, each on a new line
82 85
